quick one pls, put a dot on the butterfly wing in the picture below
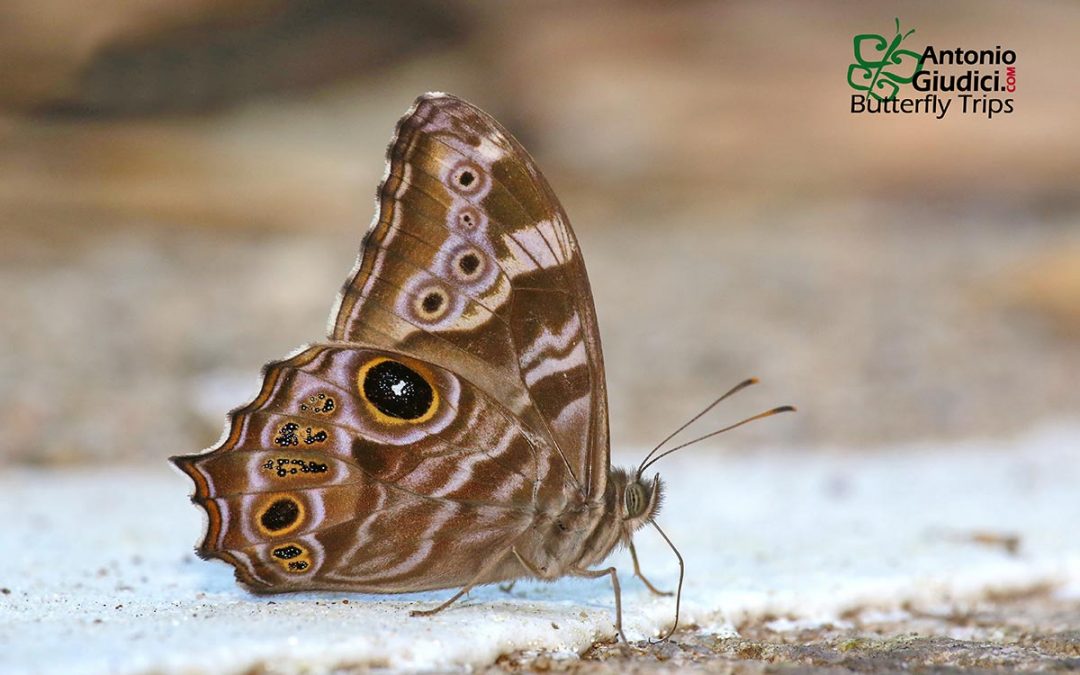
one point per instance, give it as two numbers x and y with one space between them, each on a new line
471 261
363 469
462 395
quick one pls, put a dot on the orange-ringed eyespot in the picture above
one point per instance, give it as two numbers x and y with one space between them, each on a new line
398 391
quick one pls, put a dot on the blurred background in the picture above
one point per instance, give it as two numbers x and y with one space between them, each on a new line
184 185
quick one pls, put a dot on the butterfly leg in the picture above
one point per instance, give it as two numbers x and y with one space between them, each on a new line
484 570
506 588
596 574
639 575
589 574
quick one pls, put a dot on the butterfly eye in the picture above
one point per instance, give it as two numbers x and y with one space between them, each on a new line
397 391
635 499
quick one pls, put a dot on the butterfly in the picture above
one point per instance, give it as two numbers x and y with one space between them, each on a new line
453 429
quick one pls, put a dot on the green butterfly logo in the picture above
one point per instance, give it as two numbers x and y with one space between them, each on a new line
882 77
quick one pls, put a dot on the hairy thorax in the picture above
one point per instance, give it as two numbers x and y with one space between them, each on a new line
579 536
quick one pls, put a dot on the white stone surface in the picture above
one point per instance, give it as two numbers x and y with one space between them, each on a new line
100 578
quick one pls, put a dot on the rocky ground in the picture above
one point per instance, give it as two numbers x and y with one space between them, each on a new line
1035 631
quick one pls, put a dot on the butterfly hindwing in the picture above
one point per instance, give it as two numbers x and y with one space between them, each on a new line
330 479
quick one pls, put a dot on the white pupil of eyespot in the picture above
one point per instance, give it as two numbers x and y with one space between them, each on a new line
398 388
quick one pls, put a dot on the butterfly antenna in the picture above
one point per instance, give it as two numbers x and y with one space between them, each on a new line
678 591
742 385
767 413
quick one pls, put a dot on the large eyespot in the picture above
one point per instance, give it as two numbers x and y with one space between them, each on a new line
282 515
635 499
397 392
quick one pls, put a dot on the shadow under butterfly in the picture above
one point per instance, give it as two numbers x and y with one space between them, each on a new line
453 430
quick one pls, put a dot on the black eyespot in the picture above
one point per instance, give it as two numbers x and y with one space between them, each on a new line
466 178
280 515
398 391
287 552
468 263
298 565
432 302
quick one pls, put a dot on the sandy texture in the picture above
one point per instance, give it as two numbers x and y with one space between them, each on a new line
100 575
1032 631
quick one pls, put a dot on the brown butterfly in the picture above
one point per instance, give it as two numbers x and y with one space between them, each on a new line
453 430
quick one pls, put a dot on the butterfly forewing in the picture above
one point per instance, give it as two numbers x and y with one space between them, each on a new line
471 262
315 486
